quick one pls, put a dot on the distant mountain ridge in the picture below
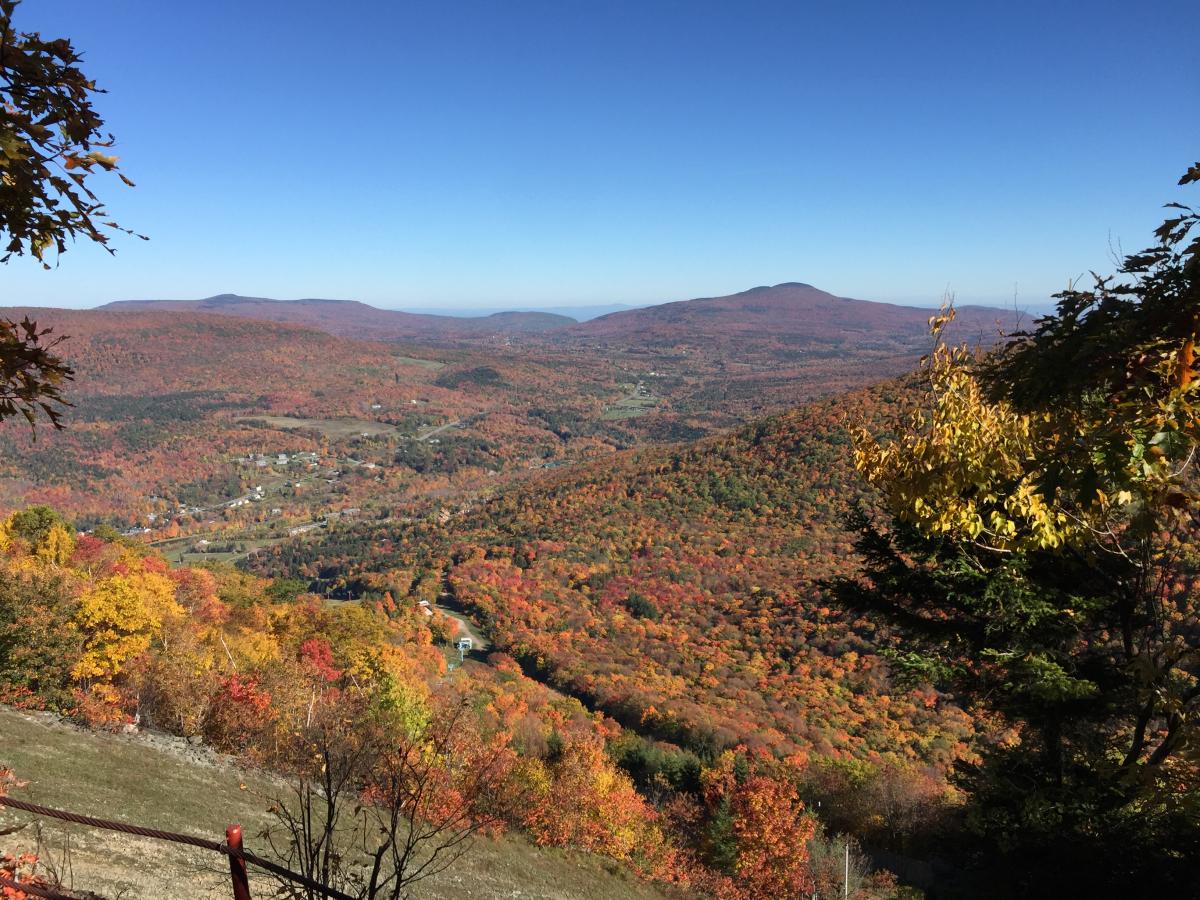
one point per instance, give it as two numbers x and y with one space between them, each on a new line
578 313
792 313
351 318
791 316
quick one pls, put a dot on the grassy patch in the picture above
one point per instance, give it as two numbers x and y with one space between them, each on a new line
164 784
629 408
431 364
332 428
637 402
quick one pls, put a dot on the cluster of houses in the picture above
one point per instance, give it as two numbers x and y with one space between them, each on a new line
349 513
255 495
262 460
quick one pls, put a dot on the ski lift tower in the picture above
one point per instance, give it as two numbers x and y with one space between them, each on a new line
463 646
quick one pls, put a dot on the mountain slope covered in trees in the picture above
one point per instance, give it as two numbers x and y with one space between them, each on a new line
682 592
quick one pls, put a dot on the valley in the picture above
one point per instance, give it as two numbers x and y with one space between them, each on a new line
573 504
627 549
173 397
525 528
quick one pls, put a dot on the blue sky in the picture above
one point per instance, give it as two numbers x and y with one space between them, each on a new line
520 153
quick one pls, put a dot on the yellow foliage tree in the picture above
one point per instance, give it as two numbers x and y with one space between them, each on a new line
39 531
970 468
57 546
120 616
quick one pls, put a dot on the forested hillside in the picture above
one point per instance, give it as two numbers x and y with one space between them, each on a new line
682 592
99 629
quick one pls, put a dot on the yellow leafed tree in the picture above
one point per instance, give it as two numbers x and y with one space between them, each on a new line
57 546
968 467
119 617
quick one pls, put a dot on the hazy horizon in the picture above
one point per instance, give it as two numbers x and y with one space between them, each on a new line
587 310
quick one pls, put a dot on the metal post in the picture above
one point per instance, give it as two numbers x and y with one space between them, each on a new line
237 865
846 878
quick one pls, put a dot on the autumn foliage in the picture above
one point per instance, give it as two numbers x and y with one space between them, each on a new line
208 652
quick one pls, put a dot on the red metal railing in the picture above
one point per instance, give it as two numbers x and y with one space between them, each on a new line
232 847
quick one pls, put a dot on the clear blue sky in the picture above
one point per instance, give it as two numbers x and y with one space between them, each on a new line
548 153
